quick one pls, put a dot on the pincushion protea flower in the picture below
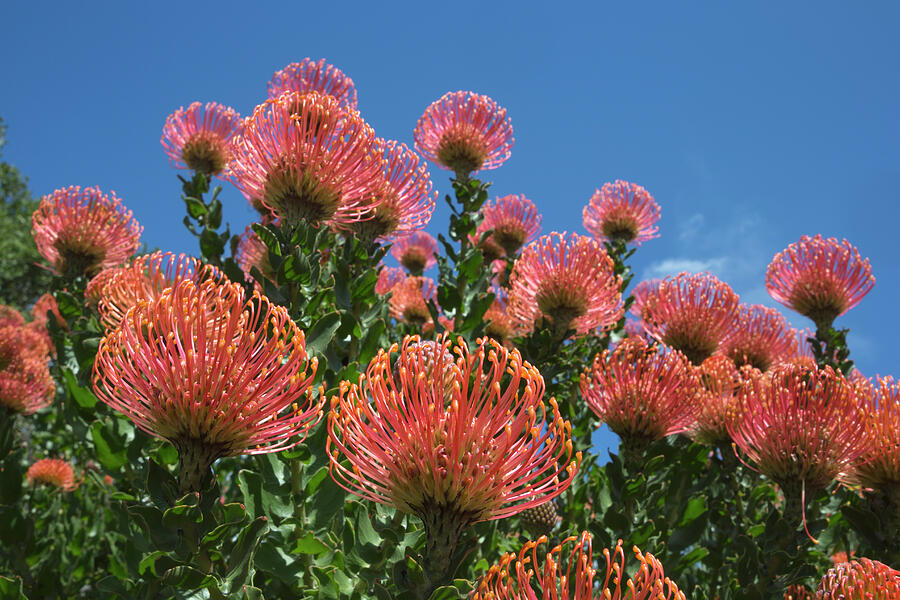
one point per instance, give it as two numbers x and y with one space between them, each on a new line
211 371
860 579
570 571
43 306
879 466
314 76
798 592
18 343
715 405
404 199
409 300
472 444
760 337
568 280
388 277
416 251
307 159
52 471
10 316
819 278
622 211
498 323
801 426
512 220
199 137
82 231
691 312
253 252
94 288
146 279
26 385
641 392
464 132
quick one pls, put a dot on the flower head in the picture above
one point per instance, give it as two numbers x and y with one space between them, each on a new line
253 252
512 222
715 407
409 300
43 306
25 384
819 278
388 277
860 579
10 316
213 372
622 211
146 279
760 337
691 312
498 323
569 571
416 251
22 342
52 471
465 132
879 466
404 199
641 392
800 426
568 280
93 291
446 433
83 231
307 159
199 137
314 76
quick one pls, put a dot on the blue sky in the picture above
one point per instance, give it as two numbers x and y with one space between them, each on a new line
751 124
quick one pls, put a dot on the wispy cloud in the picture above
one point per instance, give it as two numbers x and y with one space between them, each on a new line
689 228
673 266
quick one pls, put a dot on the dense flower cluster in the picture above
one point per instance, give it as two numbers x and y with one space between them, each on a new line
512 222
861 579
622 211
760 337
199 137
52 471
314 76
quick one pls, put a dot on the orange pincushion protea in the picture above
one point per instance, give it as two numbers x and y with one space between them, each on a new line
569 572
409 300
10 316
691 312
83 231
389 277
415 251
801 426
314 76
568 280
199 137
641 392
472 444
715 406
213 372
819 278
253 252
94 289
306 159
622 211
54 472
512 220
146 279
760 338
464 132
404 199
498 323
25 384
879 466
861 579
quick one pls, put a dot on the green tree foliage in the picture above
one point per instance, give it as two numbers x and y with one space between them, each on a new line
22 280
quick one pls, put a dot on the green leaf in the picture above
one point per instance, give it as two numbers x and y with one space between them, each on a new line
187 578
322 333
214 218
110 443
11 589
211 244
309 544
261 501
241 555
195 207
84 397
156 563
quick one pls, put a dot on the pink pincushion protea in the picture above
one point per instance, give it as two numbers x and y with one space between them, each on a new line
83 231
569 571
409 300
464 132
498 323
801 426
691 312
879 467
819 278
715 406
22 342
513 221
199 137
253 252
25 384
389 277
566 280
860 579
404 199
451 435
93 291
146 279
314 76
215 373
641 392
416 251
44 306
306 159
622 211
760 337
52 471
10 316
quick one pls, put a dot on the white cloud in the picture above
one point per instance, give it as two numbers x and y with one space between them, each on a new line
673 266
